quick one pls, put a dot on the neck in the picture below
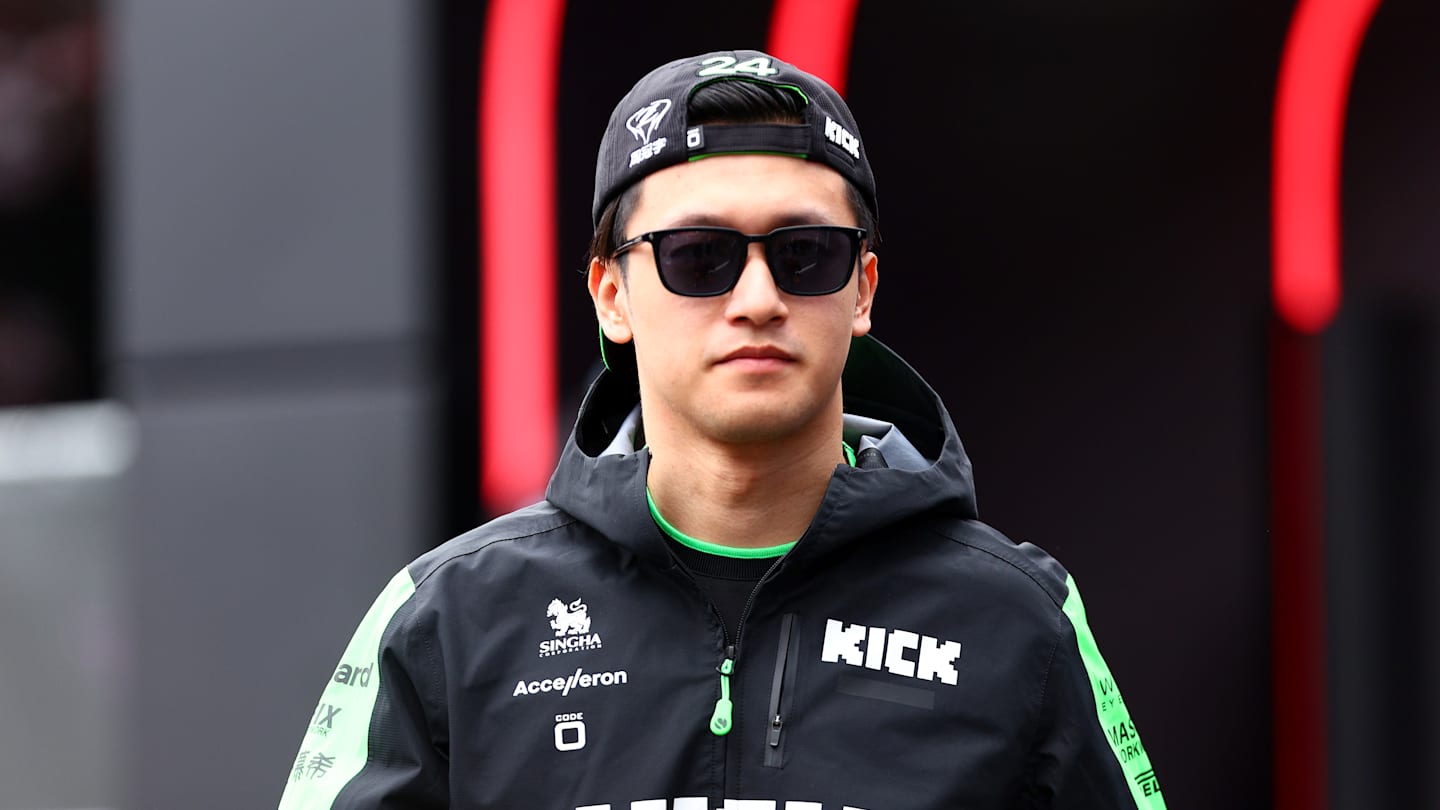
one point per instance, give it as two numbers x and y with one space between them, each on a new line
743 495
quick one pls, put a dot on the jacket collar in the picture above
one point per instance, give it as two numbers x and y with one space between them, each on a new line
601 478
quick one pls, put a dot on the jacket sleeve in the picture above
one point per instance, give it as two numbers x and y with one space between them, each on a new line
370 743
1087 754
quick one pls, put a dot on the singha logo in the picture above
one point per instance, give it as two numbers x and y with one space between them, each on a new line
569 620
571 624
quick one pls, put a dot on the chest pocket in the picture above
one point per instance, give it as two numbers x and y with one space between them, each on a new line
782 691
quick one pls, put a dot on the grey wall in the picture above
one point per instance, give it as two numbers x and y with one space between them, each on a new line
266 242
62 674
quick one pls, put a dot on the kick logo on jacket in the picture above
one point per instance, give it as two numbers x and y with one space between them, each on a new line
877 647
571 624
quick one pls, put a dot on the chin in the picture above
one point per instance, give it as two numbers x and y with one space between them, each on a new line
761 425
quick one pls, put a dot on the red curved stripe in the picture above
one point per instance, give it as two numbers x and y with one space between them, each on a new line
519 71
1314 83
814 35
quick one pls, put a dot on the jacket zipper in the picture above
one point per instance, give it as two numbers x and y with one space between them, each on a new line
722 714
724 707
721 720
774 753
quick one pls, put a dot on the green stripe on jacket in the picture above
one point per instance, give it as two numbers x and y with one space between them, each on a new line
336 744
1110 709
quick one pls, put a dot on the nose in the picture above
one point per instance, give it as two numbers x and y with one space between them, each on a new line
755 297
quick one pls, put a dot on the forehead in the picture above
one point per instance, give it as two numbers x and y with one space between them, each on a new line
749 192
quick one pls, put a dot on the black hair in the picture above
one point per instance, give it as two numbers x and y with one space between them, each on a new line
725 102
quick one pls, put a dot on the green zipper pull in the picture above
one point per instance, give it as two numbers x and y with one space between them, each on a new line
720 718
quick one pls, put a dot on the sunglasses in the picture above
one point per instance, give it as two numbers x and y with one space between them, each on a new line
803 259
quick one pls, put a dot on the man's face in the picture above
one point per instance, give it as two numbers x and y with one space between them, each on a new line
698 373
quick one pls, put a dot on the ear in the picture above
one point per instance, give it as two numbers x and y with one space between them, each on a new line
608 292
865 299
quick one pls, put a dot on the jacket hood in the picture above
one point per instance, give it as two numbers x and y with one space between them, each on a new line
910 460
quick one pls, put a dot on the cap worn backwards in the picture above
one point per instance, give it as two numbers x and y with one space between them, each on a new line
649 131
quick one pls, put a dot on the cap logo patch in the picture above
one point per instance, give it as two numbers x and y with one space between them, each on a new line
642 122
841 137
727 66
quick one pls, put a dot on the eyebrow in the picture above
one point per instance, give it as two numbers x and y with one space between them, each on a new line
784 219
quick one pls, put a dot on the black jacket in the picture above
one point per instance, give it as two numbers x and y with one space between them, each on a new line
902 656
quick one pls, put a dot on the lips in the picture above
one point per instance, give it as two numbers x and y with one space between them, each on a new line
758 353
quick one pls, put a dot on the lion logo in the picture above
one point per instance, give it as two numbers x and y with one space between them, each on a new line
569 620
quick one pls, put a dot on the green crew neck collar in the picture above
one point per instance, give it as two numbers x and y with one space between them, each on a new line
713 548
726 551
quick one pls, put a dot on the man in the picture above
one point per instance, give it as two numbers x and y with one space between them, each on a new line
757 579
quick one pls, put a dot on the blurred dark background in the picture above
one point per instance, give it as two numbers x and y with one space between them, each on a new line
238 352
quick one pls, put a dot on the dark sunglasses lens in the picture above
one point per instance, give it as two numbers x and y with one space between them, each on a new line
698 262
811 261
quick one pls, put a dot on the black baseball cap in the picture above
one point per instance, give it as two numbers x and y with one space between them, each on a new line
649 131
